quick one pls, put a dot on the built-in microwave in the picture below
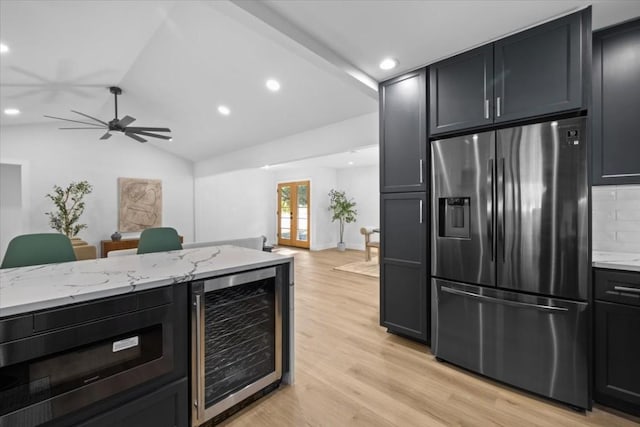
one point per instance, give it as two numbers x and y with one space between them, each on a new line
55 362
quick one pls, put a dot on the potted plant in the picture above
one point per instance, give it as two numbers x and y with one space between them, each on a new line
70 206
343 211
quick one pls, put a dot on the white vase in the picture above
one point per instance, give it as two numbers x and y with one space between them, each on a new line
342 246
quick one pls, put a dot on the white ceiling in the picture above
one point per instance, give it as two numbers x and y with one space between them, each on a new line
417 33
178 60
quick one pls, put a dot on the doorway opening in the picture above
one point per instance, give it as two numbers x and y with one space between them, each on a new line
294 214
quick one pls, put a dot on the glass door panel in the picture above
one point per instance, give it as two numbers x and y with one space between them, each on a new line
302 217
285 212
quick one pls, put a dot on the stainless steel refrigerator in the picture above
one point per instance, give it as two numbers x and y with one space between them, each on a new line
510 256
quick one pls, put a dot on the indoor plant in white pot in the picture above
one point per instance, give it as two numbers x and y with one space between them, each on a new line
70 206
343 210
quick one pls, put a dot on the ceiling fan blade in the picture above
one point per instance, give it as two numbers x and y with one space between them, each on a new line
106 136
76 121
89 117
144 129
153 135
136 137
123 122
95 127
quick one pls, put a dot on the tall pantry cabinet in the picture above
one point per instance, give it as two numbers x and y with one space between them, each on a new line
404 210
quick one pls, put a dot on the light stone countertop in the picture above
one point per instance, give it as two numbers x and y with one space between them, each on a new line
38 287
616 260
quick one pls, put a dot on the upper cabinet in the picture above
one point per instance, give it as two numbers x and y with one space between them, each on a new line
461 91
540 71
403 133
616 105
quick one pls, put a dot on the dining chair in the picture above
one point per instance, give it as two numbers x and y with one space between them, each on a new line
159 239
38 248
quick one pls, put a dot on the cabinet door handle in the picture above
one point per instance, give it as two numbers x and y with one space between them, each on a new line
498 106
421 173
626 289
486 108
421 211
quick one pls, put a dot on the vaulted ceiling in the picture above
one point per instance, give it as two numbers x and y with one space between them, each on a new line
177 61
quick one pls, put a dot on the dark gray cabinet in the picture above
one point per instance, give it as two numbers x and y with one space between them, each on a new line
403 133
165 407
617 339
461 91
541 71
616 105
404 291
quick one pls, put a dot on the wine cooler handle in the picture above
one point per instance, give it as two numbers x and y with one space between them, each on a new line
198 401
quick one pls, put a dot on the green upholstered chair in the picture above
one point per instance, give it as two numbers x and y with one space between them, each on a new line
36 249
159 239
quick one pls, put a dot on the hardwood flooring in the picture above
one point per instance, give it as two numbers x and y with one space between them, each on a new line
350 372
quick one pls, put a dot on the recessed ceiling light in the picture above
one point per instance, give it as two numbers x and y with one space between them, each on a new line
273 85
350 163
224 110
4 48
11 111
170 139
388 64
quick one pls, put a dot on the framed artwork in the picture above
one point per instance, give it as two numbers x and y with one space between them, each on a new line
140 204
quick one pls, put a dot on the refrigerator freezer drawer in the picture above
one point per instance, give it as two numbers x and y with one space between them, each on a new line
535 343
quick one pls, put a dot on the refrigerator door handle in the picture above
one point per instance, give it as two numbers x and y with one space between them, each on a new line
490 207
498 106
501 209
548 308
421 209
421 171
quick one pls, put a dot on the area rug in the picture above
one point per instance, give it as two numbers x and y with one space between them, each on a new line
367 268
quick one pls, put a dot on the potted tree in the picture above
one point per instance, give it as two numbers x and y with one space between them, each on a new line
343 210
70 206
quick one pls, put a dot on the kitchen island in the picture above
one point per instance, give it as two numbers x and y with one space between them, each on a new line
72 334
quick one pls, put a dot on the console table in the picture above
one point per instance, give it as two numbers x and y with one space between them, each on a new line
107 246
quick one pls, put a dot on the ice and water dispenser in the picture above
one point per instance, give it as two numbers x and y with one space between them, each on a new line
454 217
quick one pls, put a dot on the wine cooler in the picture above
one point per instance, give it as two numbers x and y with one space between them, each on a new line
236 332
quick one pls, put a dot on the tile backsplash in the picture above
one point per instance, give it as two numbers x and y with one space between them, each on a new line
616 218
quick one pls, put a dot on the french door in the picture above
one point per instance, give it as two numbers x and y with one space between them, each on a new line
294 214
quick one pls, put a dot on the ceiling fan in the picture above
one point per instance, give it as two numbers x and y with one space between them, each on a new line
117 125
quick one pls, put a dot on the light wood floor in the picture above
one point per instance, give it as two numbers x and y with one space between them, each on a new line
351 372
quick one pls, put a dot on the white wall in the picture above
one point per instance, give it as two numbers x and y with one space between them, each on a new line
616 218
58 157
362 185
338 137
11 213
235 205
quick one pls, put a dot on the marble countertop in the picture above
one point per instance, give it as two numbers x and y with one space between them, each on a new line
616 260
38 287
